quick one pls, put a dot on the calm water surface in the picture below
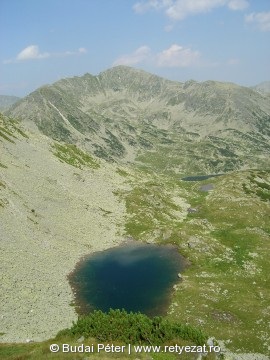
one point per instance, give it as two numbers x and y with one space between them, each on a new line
132 277
199 177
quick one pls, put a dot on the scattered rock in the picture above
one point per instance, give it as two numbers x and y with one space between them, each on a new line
207 187
210 341
193 242
223 316
192 210
167 234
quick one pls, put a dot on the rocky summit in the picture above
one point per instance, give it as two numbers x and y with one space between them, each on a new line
128 115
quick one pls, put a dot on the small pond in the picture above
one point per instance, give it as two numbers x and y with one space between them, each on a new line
199 177
134 277
206 187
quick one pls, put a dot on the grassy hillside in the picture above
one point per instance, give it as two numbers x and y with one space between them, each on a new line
224 233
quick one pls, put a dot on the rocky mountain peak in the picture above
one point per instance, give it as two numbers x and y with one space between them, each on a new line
126 114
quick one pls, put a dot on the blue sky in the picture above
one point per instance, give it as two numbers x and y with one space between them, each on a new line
43 41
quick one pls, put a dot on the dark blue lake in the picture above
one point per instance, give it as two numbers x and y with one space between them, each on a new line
199 177
131 277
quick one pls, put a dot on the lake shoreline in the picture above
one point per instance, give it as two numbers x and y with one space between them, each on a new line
170 250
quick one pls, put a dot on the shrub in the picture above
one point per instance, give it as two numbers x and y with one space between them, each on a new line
134 328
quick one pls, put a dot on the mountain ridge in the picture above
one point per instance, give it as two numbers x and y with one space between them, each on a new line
263 87
123 113
7 100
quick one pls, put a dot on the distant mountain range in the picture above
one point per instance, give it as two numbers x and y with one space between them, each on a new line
6 101
263 87
129 115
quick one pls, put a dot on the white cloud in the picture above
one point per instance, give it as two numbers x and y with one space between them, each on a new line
261 20
238 4
68 53
31 52
138 56
177 56
180 9
183 8
174 56
143 6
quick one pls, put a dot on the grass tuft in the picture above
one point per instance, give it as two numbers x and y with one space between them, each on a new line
72 155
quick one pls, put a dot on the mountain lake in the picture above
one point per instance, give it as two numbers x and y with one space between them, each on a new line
134 277
199 177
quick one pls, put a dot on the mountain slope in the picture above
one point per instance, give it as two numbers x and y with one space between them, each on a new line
58 204
6 101
53 211
124 114
263 87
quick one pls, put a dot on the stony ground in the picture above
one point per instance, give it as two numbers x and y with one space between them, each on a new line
51 215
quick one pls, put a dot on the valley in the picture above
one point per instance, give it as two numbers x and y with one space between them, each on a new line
89 162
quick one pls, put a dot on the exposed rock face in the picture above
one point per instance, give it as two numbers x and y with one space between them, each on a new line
124 112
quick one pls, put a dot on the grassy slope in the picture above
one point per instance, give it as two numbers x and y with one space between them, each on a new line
9 132
226 240
228 286
74 156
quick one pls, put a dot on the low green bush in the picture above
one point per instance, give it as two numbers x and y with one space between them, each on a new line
134 328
